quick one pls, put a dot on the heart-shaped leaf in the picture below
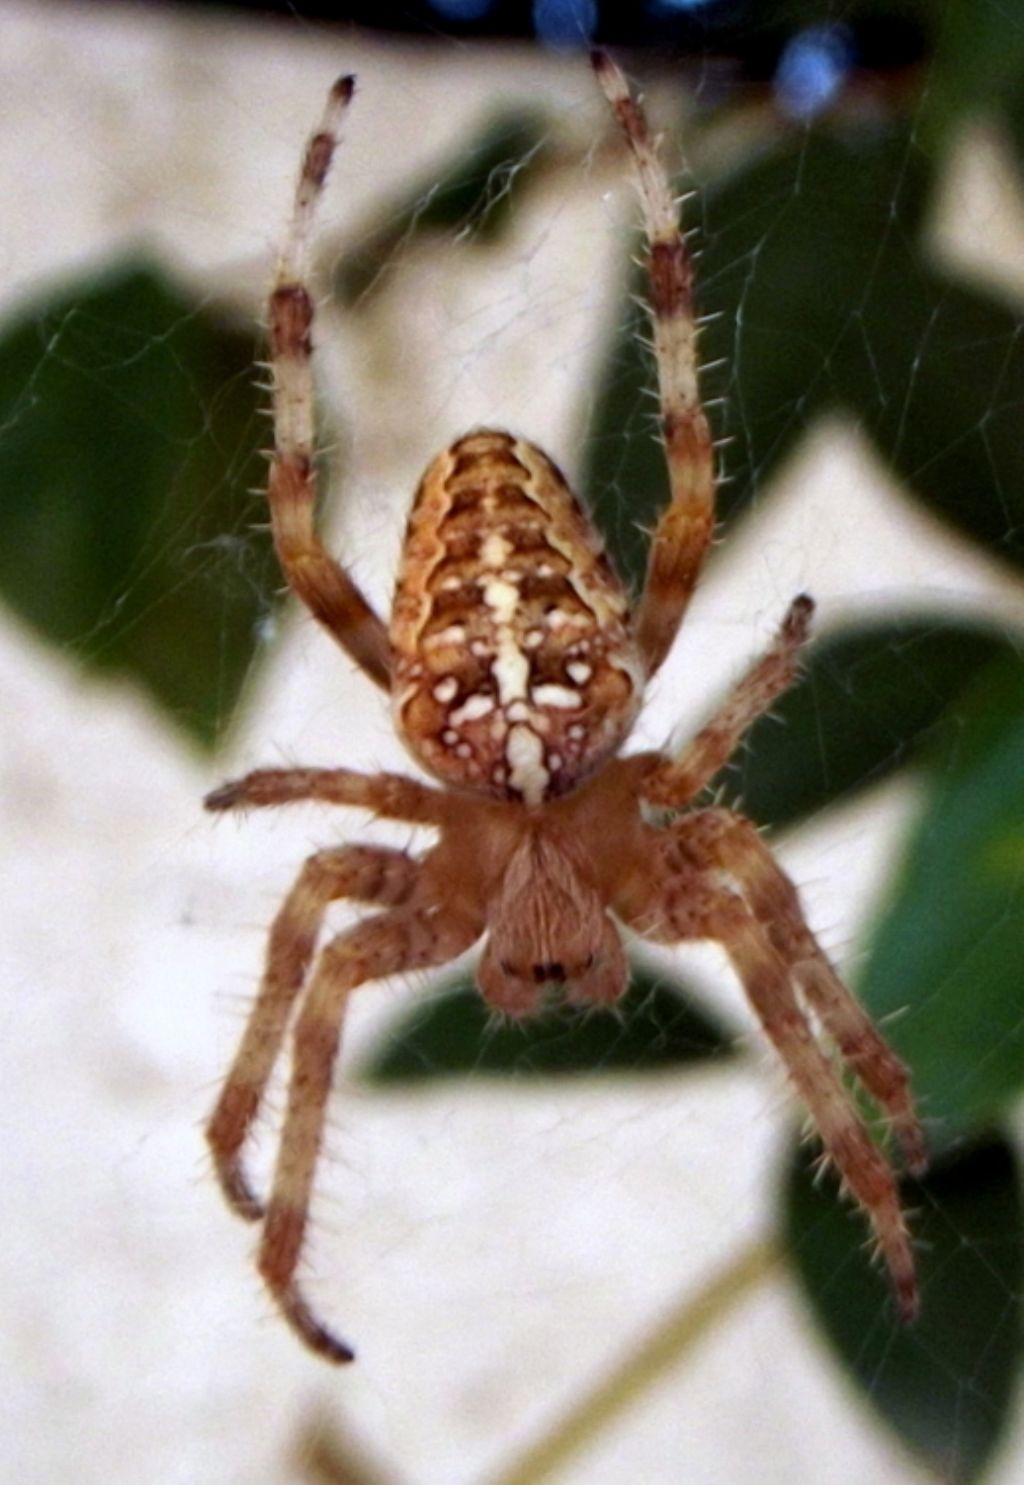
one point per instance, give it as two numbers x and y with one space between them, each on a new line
129 449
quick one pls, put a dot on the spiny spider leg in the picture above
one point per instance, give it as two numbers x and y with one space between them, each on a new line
677 781
684 529
733 843
395 941
683 901
390 795
861 1165
372 874
324 587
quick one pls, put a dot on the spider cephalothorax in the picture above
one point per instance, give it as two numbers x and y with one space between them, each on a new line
516 668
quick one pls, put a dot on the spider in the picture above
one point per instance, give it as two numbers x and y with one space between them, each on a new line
516 666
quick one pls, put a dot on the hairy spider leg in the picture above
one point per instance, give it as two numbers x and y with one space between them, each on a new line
390 795
732 842
685 904
373 874
397 940
322 584
674 782
684 529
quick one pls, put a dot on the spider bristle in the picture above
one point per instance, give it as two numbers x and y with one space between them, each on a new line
714 365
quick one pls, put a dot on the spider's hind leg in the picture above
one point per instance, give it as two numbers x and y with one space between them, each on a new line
681 898
862 1168
363 873
404 938
732 843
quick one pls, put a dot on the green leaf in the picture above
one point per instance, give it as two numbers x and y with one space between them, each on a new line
869 700
129 445
934 372
977 70
472 195
656 1025
946 1384
945 961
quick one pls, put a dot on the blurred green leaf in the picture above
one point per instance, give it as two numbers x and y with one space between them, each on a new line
977 69
948 952
656 1025
869 700
934 372
471 195
947 1383
129 445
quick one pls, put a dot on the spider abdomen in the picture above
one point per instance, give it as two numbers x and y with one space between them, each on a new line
515 668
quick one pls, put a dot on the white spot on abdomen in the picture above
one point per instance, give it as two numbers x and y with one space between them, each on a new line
472 709
553 695
525 753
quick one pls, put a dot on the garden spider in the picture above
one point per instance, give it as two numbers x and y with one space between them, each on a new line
516 668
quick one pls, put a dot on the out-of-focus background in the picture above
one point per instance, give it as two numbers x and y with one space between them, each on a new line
492 1247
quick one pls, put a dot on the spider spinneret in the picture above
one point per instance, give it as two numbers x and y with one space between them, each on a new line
516 668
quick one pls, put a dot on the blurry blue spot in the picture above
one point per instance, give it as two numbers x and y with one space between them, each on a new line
812 70
563 24
462 10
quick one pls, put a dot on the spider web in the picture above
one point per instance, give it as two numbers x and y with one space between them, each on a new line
456 1221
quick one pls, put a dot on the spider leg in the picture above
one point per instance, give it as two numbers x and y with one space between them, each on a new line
404 938
687 904
390 795
676 781
733 843
364 873
322 584
861 1165
684 530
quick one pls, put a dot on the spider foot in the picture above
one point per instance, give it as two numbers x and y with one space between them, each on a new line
280 1250
902 1273
910 1138
311 1331
227 797
238 1193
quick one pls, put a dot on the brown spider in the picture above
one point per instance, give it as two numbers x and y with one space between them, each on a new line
516 669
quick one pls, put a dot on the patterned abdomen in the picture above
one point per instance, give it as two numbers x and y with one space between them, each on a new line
515 670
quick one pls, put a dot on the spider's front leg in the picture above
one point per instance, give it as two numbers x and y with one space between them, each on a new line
323 585
402 939
682 534
372 874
